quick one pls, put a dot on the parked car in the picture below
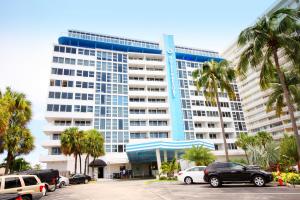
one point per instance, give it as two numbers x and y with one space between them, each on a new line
192 175
62 181
79 178
10 196
47 176
228 172
29 187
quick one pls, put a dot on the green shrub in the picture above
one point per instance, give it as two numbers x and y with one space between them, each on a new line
292 178
162 178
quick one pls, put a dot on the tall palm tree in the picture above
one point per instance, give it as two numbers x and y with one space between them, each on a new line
16 138
71 143
96 148
262 43
276 99
88 143
4 114
210 77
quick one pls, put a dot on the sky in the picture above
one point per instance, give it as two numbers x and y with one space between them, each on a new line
28 30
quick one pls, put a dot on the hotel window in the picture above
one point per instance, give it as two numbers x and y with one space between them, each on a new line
56 136
199 136
158 123
198 125
216 147
55 151
138 135
232 146
212 136
158 135
211 125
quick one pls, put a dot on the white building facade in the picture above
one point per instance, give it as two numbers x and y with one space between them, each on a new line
140 95
253 98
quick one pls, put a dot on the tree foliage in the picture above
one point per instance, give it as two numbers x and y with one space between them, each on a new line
17 138
200 155
169 168
212 78
288 151
272 35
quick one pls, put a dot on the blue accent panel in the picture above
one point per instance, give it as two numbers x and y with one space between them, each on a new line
174 95
104 45
144 152
196 58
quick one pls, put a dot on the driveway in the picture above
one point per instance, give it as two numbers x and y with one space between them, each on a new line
141 190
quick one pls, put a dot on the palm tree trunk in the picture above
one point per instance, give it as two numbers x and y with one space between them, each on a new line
88 168
80 162
8 162
93 168
288 101
86 163
222 127
75 171
246 156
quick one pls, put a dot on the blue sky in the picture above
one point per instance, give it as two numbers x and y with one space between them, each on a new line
30 28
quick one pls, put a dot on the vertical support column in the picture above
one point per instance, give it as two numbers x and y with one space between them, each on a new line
158 159
165 156
176 154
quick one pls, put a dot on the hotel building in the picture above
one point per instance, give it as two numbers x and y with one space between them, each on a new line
140 95
253 98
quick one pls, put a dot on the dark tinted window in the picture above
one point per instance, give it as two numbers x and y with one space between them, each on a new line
13 182
29 180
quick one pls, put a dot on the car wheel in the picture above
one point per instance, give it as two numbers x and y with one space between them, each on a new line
259 181
44 191
62 184
215 181
188 180
86 181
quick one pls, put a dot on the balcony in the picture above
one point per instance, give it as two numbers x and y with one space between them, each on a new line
79 115
51 143
52 158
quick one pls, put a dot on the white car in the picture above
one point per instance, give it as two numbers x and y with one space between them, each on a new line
63 181
192 175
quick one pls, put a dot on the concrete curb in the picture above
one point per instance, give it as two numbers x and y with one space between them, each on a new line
292 186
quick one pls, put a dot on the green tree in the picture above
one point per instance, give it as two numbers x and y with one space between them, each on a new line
17 138
89 145
169 168
4 114
264 156
19 164
262 138
96 147
72 143
243 141
210 77
276 99
262 43
200 155
288 150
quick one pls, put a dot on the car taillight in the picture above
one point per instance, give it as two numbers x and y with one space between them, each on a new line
205 171
41 188
19 198
180 173
53 181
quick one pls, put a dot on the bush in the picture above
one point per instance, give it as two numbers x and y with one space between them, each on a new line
292 178
162 178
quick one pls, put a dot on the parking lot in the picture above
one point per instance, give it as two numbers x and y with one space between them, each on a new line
141 189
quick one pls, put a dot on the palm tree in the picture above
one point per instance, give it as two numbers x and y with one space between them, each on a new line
96 147
200 155
276 99
71 143
4 114
243 141
88 146
169 168
263 138
262 43
210 77
16 139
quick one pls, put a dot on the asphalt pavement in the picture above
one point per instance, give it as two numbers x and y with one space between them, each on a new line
143 190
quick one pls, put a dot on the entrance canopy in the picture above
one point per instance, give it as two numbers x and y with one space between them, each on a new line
145 152
98 163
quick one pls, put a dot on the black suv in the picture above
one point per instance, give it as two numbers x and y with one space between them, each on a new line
228 172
